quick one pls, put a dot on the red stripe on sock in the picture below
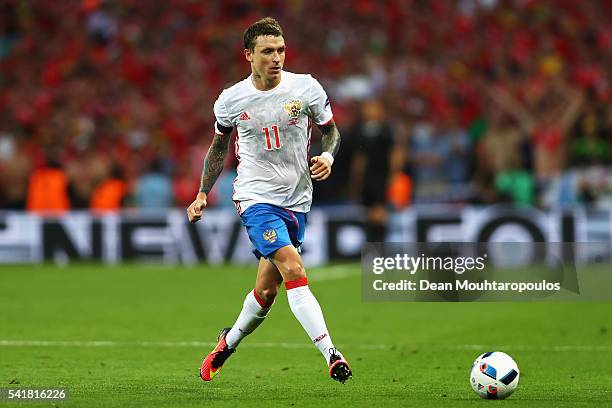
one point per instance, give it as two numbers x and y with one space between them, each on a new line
296 283
258 299
261 301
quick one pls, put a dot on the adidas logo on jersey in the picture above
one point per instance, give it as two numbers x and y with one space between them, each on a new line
244 116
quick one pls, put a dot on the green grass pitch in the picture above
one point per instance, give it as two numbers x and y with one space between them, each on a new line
134 335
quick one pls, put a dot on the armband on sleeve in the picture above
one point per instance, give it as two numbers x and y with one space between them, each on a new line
222 130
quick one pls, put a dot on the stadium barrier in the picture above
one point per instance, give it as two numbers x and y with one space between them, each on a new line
333 234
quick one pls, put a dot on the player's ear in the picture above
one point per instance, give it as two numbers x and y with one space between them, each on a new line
247 55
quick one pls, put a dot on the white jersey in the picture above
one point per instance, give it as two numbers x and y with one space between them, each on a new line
273 139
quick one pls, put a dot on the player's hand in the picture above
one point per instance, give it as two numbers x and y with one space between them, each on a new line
320 169
194 211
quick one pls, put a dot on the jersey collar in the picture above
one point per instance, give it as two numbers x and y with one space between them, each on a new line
276 88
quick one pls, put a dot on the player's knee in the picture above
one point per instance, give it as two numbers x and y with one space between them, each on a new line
294 270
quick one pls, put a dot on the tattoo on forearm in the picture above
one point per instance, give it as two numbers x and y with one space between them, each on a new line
213 163
331 138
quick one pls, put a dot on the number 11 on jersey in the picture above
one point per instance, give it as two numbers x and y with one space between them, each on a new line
277 144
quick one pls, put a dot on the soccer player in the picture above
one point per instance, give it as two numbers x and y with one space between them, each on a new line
272 110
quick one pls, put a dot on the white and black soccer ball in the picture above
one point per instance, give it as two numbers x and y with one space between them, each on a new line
494 375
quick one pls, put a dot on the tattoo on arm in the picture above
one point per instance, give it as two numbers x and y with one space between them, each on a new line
331 138
213 163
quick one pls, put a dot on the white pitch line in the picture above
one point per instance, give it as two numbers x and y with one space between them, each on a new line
206 344
555 348
170 344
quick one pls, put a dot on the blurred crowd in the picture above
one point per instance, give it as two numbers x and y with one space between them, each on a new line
108 104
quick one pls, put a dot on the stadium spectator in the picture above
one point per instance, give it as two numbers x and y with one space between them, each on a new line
515 185
48 188
458 159
589 146
375 160
110 195
154 188
15 169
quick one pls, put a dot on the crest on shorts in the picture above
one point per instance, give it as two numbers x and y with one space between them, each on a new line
270 235
293 107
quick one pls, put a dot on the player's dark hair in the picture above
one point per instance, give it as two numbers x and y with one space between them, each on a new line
265 26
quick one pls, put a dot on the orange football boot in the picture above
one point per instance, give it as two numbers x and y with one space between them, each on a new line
214 361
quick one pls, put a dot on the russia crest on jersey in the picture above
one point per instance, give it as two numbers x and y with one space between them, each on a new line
293 107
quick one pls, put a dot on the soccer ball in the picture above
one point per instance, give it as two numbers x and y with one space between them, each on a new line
494 375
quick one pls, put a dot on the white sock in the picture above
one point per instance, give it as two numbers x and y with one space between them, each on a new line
306 309
251 316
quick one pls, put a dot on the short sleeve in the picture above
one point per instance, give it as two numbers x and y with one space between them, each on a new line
223 123
320 108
